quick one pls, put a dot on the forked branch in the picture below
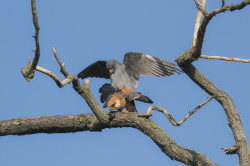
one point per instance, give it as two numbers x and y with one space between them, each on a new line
169 116
69 77
185 62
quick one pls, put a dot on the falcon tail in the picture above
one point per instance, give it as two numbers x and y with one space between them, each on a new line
144 99
137 96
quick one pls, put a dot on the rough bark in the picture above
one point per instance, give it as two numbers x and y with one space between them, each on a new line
185 62
89 122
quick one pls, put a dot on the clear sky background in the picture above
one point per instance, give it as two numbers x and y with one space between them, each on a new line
86 31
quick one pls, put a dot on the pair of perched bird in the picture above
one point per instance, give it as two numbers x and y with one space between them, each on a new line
124 78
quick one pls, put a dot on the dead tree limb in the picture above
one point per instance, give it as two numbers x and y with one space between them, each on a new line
59 83
29 70
89 122
198 22
169 116
185 62
225 58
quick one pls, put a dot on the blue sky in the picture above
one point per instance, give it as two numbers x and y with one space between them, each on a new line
86 31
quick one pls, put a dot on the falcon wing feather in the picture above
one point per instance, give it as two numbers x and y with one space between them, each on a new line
138 64
106 91
97 69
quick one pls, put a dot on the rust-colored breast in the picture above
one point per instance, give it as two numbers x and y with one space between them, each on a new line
117 101
126 90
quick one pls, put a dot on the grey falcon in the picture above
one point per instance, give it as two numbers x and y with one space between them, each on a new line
126 75
124 78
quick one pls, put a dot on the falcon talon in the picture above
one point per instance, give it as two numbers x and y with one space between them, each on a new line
125 111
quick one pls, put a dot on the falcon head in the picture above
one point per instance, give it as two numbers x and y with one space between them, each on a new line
112 65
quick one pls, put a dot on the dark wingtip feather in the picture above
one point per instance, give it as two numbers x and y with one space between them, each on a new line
105 91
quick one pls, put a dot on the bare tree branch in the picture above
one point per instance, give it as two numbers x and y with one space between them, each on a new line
169 116
29 70
232 150
230 7
54 77
62 65
198 20
185 60
225 58
89 122
223 3
201 7
208 16
69 77
84 91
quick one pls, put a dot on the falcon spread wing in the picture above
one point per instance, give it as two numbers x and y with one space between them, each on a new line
97 69
138 64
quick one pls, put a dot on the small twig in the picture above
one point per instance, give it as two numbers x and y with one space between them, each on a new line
69 77
169 116
59 83
198 22
62 65
232 150
226 58
223 3
29 70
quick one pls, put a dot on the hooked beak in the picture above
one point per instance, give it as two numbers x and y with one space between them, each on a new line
111 70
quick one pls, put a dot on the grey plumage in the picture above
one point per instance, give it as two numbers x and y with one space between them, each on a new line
137 96
134 65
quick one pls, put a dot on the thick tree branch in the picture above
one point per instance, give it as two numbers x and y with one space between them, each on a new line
198 21
89 122
169 116
208 16
225 58
29 70
201 7
185 60
229 108
84 91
